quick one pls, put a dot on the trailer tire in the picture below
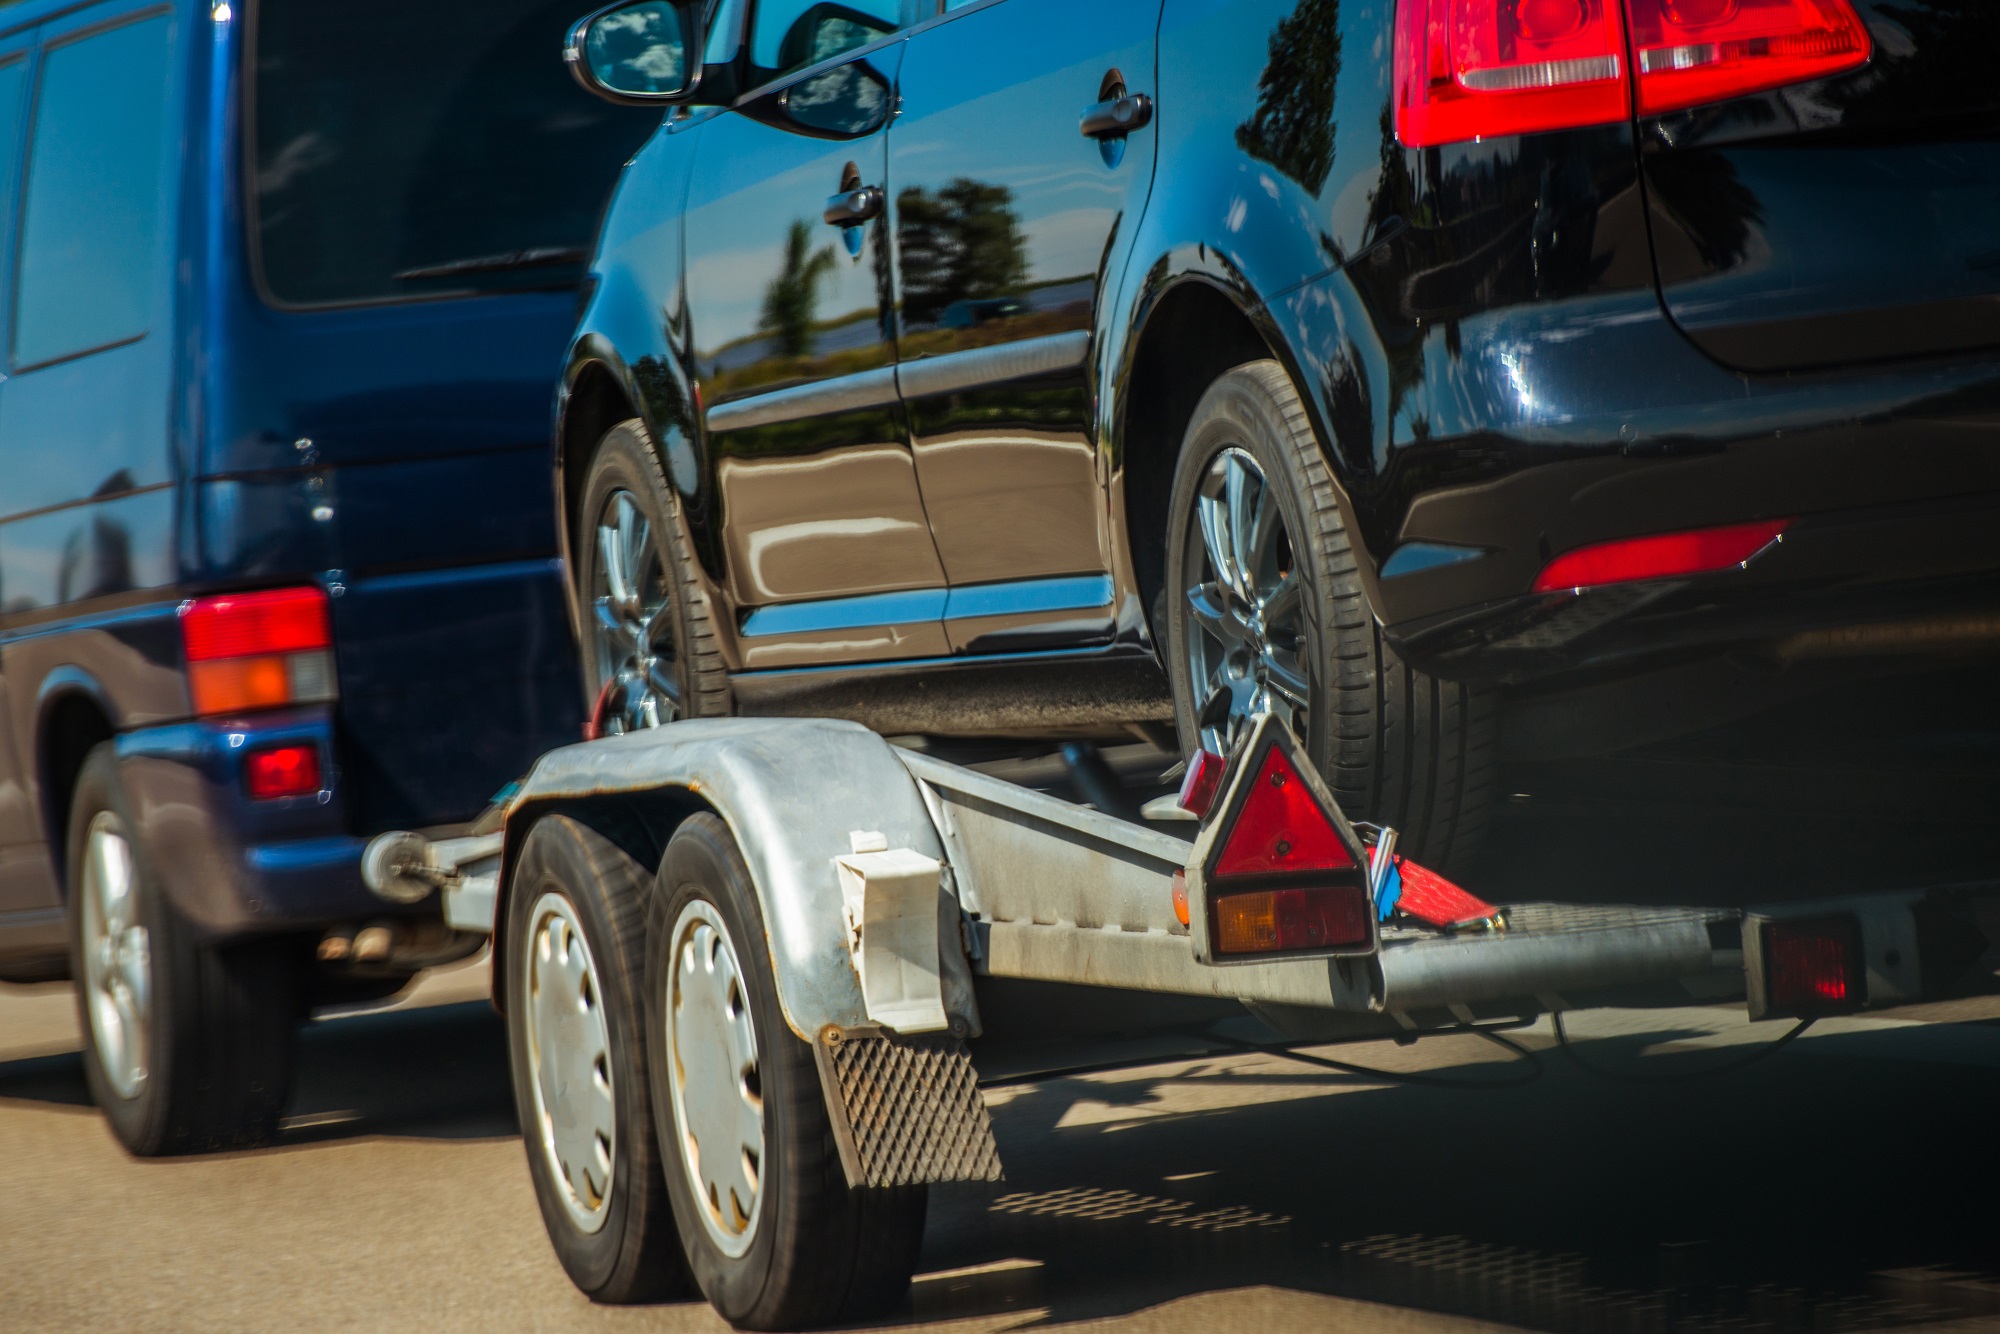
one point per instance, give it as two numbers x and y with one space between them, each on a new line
806 1248
187 1045
574 973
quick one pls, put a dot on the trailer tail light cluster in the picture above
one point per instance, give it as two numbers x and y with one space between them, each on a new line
1659 556
261 650
1470 69
1813 965
1281 877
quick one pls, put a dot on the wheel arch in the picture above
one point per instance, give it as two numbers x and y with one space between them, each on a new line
73 716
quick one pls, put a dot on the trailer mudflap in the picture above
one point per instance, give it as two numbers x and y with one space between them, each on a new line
906 1109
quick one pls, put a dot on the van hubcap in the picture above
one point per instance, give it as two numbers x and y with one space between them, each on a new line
569 1061
637 686
718 1094
117 958
1245 633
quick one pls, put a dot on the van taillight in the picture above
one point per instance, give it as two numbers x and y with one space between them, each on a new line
1695 51
1471 69
258 650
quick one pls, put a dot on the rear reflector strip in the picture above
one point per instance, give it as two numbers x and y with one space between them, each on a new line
1659 556
282 771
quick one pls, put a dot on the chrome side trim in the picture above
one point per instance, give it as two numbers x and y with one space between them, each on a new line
842 393
1076 593
1087 592
870 609
994 365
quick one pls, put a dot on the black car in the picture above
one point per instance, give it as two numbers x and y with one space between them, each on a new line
1616 370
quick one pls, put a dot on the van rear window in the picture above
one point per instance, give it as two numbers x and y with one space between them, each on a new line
448 152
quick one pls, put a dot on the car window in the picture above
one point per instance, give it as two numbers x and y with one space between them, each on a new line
91 221
788 35
458 158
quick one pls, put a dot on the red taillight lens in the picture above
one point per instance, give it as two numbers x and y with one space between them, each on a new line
282 771
1274 920
1695 51
1280 828
258 650
1813 965
1203 779
1660 556
1469 69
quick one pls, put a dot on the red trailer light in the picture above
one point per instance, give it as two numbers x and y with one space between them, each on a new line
1813 965
1696 51
282 771
1311 918
1203 780
1280 828
258 650
1659 556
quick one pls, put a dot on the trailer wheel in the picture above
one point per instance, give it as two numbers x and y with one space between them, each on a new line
574 974
1265 612
188 1046
775 1236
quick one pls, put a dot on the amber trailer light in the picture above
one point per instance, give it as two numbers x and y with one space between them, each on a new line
1282 873
259 650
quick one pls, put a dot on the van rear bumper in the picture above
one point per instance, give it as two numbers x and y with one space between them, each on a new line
234 866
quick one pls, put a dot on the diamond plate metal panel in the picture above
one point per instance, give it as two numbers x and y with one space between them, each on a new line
906 1110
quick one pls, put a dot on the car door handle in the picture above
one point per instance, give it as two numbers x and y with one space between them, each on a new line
1116 117
851 208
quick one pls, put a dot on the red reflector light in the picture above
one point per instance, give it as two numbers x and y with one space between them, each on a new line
1203 780
1695 51
1659 556
242 625
1467 69
282 771
1812 965
1275 920
1280 828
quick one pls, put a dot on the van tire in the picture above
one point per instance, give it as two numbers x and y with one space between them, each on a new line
221 1020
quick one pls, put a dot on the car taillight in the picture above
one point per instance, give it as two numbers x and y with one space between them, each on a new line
1282 878
1659 556
290 770
258 650
1469 69
1695 51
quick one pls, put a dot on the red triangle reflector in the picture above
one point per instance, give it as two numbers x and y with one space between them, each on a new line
1280 828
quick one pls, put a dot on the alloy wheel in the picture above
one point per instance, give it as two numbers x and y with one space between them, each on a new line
1245 635
117 957
638 684
569 1061
713 1073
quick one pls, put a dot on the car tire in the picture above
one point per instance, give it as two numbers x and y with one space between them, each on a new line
574 982
187 1046
806 1248
1396 745
650 653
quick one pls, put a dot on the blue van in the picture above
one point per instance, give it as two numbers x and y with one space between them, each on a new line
283 303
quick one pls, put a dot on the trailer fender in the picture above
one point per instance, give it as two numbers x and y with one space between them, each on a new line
793 792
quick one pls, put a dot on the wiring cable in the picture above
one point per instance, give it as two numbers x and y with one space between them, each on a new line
1290 1053
1677 1076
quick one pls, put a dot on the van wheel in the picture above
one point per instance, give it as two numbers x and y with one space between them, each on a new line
775 1236
649 649
1265 612
187 1046
573 978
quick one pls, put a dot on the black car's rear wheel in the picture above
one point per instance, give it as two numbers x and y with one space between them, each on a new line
1266 613
649 647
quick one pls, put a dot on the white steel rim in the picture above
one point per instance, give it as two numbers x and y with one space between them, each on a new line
117 957
713 1073
569 1061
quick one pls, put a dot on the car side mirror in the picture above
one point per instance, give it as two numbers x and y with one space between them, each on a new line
639 51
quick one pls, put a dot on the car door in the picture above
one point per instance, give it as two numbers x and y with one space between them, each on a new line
25 883
790 303
1007 216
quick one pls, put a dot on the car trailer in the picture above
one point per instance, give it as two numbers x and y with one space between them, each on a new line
737 959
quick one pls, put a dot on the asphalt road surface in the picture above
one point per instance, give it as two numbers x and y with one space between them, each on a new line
1846 1181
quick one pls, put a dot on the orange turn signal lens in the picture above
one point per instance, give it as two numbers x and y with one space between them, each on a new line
1277 920
232 685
